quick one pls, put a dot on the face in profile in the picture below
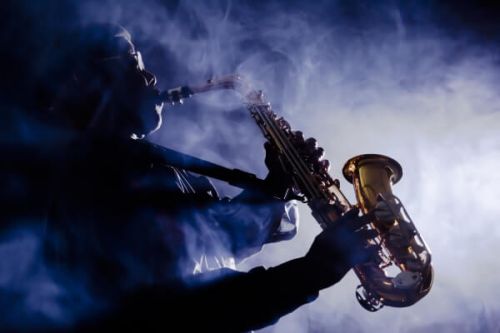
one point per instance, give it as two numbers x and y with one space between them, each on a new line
131 90
98 82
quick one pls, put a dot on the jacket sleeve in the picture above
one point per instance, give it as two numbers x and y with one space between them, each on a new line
219 301
252 219
223 300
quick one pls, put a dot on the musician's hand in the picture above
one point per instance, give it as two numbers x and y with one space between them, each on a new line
339 247
280 174
278 178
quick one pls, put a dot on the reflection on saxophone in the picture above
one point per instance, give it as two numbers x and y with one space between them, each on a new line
401 245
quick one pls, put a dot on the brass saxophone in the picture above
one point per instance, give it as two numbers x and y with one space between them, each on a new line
401 245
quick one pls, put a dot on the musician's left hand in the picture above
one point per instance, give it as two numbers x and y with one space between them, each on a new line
278 177
280 174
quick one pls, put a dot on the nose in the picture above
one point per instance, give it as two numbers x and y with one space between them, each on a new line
149 77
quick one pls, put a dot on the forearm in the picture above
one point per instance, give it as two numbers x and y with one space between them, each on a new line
227 302
258 298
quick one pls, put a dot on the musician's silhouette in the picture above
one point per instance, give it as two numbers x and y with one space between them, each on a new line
153 245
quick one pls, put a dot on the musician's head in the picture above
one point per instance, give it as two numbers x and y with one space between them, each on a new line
101 83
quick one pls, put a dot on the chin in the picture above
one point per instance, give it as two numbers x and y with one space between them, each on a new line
159 118
150 125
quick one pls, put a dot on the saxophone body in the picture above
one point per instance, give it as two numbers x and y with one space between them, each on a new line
402 249
402 246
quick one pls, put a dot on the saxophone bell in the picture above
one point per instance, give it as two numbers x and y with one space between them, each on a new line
402 245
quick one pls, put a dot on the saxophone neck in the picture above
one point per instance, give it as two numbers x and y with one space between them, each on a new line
228 82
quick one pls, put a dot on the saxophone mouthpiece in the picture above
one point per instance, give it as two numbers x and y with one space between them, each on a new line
175 95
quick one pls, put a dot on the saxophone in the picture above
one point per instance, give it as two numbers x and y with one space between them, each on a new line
401 245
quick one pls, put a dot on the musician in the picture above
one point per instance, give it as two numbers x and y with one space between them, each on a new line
155 246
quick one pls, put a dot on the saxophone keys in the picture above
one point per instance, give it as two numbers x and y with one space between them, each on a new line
311 143
324 167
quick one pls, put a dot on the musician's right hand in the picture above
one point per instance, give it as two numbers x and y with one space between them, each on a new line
340 247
